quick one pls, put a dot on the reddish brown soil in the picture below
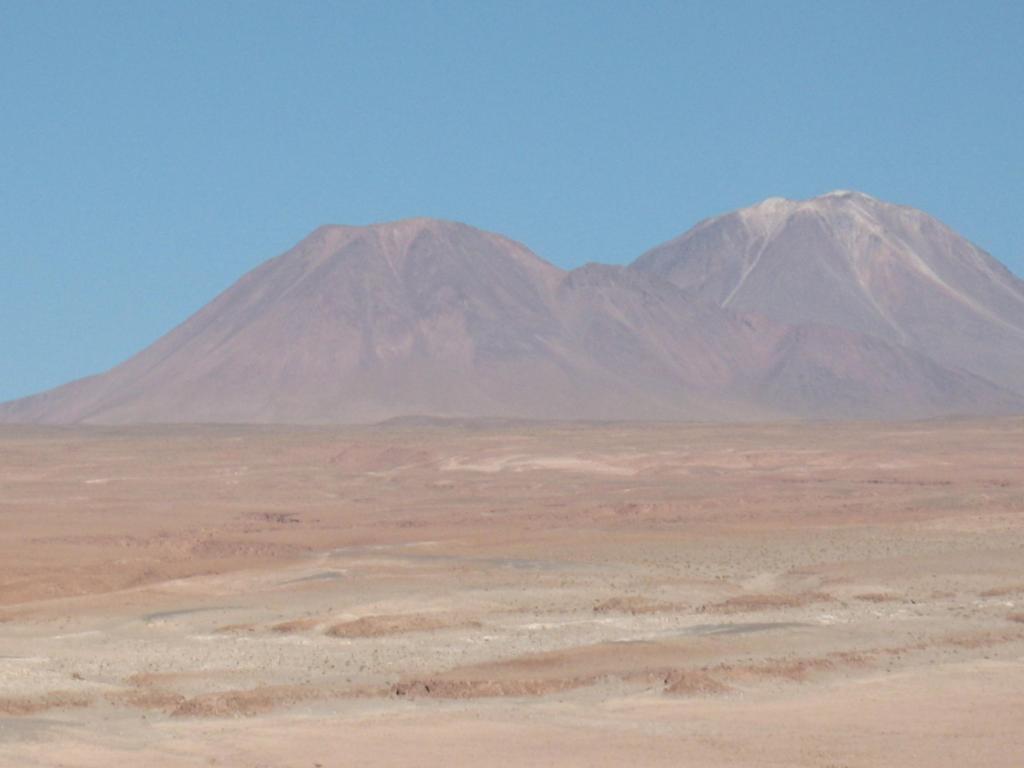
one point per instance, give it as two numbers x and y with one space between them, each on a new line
807 596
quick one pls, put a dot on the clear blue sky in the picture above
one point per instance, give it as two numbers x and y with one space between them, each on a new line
152 152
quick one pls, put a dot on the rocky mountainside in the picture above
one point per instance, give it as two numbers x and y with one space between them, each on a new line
838 307
850 261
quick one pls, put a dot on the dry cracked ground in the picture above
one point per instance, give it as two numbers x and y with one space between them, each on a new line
835 596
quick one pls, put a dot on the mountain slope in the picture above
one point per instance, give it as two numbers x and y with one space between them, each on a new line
334 329
725 365
434 318
850 261
360 324
822 371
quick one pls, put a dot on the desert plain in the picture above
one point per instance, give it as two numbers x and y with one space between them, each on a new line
513 594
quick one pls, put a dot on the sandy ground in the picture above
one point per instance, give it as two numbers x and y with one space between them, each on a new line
834 596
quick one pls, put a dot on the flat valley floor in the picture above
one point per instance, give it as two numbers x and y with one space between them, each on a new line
416 594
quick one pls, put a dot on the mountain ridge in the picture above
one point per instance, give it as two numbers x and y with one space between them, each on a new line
849 260
436 318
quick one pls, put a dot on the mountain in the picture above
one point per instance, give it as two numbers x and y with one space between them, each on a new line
353 324
360 324
850 261
433 318
720 364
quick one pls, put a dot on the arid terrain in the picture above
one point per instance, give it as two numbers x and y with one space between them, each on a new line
513 594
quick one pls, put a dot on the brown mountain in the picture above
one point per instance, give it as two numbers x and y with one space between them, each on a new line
424 317
353 324
714 363
850 261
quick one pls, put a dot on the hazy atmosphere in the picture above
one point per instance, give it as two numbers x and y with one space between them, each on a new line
154 152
